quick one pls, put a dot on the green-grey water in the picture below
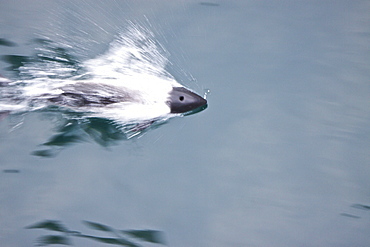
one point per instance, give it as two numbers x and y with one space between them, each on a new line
279 158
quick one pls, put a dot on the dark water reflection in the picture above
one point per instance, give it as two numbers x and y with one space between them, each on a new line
6 42
120 237
48 52
280 158
104 132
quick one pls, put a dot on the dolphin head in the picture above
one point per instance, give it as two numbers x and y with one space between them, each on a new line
182 100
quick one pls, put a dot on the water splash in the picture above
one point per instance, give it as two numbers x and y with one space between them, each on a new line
134 62
134 52
206 93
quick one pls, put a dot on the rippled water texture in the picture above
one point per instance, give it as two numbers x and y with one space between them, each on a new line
279 158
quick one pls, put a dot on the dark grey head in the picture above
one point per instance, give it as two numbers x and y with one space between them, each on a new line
182 100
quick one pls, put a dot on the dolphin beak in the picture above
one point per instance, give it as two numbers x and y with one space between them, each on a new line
182 100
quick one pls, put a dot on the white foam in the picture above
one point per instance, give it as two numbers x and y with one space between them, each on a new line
134 62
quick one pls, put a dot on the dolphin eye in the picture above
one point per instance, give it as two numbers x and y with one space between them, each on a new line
181 98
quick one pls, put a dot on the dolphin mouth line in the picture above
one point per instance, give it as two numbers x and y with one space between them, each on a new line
196 110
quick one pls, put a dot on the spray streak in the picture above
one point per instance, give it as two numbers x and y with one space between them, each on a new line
134 63
117 95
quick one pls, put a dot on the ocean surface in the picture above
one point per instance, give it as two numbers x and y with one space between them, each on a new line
281 156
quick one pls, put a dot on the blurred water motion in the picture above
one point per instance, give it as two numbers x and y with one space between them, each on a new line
130 238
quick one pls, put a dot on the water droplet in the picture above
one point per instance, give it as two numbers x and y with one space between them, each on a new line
206 93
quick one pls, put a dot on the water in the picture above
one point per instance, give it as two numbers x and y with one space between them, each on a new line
279 158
